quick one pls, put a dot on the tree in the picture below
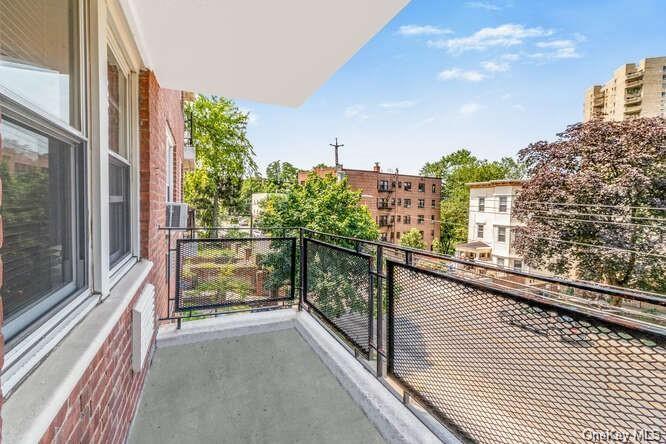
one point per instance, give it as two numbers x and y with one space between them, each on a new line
593 206
224 156
323 204
281 174
457 169
412 239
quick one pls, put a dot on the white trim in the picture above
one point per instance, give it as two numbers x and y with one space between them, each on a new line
29 412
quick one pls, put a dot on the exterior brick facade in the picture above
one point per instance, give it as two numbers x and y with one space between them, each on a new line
394 200
102 405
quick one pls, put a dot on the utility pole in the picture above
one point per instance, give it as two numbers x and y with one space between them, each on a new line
336 145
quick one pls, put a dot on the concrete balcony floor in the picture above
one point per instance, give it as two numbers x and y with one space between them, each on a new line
255 380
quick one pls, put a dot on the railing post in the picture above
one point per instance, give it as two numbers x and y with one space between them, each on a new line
380 314
304 270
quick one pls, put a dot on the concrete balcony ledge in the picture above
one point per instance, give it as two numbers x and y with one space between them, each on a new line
260 370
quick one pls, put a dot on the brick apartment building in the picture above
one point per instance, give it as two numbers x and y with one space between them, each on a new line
397 202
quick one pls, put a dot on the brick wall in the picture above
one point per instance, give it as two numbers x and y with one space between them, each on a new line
102 405
159 109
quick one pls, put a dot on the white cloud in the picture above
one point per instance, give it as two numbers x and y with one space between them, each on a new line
502 36
403 104
410 30
559 49
484 5
459 74
556 44
511 57
495 66
470 108
356 112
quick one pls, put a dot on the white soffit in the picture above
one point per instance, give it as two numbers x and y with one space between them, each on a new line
271 51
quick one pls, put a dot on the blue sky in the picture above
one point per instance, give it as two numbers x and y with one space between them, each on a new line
489 75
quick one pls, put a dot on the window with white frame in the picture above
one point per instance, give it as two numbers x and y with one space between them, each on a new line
482 204
479 231
170 149
503 204
500 261
501 234
120 227
43 166
517 264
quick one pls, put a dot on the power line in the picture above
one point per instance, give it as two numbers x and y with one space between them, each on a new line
594 205
605 247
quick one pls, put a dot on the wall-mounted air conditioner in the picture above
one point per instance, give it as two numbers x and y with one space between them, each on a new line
176 215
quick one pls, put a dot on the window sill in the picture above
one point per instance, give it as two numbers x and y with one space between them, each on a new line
29 412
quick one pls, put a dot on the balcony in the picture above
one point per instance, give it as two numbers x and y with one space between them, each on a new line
632 99
347 340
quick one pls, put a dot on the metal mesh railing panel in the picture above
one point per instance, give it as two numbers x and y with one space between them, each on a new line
506 370
234 272
339 284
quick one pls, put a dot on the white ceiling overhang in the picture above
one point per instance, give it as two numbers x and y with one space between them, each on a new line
271 51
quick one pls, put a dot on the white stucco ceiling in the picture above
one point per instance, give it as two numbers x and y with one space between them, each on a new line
271 51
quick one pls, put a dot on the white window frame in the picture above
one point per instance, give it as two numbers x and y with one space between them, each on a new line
499 229
482 204
499 204
482 229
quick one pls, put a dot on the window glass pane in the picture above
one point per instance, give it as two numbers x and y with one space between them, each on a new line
39 199
39 54
119 210
117 93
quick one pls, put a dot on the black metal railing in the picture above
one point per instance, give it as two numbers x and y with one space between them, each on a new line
498 355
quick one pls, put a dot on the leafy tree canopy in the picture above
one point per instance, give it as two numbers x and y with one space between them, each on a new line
224 155
412 239
281 174
608 183
321 203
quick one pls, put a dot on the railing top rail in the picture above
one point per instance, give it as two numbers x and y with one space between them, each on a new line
339 248
652 298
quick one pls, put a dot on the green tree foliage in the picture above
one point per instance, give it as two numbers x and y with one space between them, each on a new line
607 183
412 239
457 169
224 156
281 175
322 204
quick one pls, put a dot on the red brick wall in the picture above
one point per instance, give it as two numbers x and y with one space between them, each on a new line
159 109
101 407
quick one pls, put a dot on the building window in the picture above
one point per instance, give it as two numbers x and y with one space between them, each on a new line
383 185
399 218
408 203
420 219
432 218
43 164
119 161
421 203
517 264
407 186
502 204
501 234
397 235
479 231
393 202
433 203
383 237
399 184
421 187
434 188
421 233
170 170
500 261
408 219
399 201
383 221
482 204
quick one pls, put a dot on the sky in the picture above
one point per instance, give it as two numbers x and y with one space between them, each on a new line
491 76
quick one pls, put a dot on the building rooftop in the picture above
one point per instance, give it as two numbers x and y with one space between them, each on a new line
495 183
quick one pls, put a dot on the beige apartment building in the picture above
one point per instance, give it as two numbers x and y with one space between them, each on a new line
398 202
636 90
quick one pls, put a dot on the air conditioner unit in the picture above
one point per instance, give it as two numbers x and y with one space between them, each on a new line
176 215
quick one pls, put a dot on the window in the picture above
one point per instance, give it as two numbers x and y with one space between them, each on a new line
421 203
383 185
43 164
397 235
399 201
500 261
407 186
433 203
482 204
517 264
119 163
479 231
434 188
408 203
502 204
421 233
393 202
399 184
399 218
421 188
432 218
382 203
383 237
501 234
408 219
383 221
170 151
420 219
